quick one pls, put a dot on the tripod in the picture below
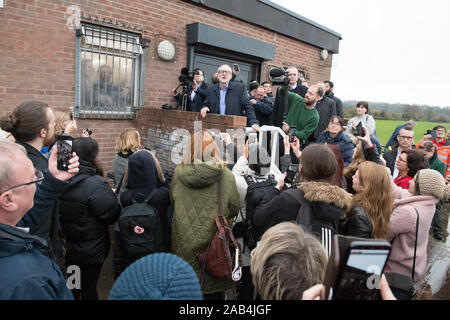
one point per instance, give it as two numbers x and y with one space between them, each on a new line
187 87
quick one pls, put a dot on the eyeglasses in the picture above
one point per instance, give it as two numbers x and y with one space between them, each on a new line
38 180
223 72
405 137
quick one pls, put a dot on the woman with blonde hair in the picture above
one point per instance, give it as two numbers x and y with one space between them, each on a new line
128 143
63 123
194 193
287 262
372 203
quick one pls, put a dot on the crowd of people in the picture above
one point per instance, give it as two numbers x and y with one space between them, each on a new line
342 183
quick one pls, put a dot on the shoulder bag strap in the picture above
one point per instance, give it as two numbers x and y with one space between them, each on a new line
415 245
219 198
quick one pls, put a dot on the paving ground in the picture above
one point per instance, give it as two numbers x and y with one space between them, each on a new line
436 284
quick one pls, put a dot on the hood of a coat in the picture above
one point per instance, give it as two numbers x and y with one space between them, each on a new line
82 173
421 200
329 202
200 175
13 240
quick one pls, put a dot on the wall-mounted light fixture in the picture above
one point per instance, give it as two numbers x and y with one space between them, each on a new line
324 54
166 50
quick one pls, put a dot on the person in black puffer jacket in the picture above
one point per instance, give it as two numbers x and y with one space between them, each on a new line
322 203
143 177
86 209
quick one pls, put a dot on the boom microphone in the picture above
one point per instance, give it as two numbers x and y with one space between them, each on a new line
277 72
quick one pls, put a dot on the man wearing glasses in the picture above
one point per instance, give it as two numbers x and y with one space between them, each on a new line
405 141
440 140
229 98
26 199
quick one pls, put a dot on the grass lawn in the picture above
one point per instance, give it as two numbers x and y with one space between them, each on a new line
385 128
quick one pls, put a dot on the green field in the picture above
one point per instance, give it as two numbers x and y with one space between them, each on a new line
385 128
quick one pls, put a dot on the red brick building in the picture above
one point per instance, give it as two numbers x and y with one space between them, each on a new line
44 57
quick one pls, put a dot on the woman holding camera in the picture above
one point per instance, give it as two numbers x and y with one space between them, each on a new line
363 116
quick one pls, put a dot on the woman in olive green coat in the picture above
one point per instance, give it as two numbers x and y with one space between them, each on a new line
193 194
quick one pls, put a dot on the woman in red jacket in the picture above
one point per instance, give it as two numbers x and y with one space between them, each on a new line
409 162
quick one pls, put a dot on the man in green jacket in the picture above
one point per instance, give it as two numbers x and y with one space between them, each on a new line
302 113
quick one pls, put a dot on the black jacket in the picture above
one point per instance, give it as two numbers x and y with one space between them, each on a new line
328 202
236 100
86 209
357 224
263 110
339 107
47 228
39 161
390 157
196 104
326 108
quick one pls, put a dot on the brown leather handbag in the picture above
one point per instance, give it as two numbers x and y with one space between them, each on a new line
217 258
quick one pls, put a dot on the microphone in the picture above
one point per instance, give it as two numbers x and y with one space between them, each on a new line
277 72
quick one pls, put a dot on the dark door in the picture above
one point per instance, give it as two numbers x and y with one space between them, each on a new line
210 64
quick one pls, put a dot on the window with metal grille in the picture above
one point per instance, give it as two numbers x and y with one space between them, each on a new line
109 72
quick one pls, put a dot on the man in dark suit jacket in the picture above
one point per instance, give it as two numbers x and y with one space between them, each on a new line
326 108
196 95
330 94
229 98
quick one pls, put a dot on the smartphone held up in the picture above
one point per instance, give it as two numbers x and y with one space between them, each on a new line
355 267
64 144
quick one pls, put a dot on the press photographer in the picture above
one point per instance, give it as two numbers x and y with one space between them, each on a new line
193 90
291 111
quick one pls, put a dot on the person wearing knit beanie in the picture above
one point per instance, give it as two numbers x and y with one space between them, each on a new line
160 276
430 182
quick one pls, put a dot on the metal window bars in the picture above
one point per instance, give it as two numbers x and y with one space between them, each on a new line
108 73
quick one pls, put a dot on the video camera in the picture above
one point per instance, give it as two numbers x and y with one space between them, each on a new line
186 77
279 77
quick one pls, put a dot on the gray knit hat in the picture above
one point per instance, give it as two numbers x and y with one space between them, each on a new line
160 276
430 182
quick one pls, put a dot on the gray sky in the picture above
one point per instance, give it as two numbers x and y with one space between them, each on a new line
391 51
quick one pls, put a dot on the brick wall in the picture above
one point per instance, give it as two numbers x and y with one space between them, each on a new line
156 127
37 52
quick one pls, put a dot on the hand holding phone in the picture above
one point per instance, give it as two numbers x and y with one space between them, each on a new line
292 134
64 145
290 173
355 268
359 130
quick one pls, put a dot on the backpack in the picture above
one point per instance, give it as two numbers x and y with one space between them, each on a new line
140 230
255 193
323 229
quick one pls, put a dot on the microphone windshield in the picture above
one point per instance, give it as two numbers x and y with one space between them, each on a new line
277 72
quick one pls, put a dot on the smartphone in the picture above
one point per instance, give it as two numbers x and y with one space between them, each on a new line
64 145
249 179
359 130
292 134
290 173
360 270
429 132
